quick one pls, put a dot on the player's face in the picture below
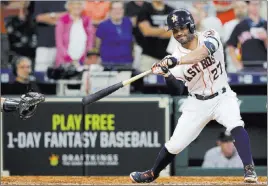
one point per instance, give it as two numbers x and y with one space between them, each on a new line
227 148
24 69
182 35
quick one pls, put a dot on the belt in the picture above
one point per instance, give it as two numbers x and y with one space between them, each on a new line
200 97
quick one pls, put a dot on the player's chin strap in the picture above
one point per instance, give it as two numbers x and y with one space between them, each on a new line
10 105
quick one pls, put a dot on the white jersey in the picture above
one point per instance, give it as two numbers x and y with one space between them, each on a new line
207 76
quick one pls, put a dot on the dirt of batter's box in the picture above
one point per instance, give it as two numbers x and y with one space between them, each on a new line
120 180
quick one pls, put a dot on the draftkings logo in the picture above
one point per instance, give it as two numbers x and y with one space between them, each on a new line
54 160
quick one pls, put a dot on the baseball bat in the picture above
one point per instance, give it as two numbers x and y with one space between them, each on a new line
91 98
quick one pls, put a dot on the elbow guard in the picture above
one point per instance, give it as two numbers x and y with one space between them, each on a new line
212 44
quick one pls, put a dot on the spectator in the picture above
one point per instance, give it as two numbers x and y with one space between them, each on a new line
240 10
133 9
114 37
198 17
179 4
205 8
225 11
46 14
251 35
224 155
8 9
74 34
207 17
22 69
21 31
152 21
4 37
97 11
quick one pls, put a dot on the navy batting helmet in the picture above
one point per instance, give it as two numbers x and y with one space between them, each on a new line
179 18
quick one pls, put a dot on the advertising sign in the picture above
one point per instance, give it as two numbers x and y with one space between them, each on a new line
113 137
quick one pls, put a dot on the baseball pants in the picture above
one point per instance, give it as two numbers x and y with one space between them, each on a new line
223 108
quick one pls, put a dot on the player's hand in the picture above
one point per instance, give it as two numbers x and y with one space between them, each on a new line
28 104
168 61
160 70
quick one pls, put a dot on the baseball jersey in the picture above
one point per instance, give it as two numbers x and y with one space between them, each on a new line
207 76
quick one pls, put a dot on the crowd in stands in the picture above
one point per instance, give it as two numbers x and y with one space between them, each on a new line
133 33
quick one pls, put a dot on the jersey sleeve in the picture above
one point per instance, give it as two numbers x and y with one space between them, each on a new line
212 33
212 40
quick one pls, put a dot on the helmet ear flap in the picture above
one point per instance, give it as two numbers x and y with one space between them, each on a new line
192 28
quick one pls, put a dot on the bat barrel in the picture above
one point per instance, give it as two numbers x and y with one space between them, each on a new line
107 91
101 94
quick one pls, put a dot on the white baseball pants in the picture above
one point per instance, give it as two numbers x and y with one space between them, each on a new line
223 108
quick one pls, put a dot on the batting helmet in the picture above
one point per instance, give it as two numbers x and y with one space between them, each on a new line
179 18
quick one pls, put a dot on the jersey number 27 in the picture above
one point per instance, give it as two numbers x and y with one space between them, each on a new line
215 71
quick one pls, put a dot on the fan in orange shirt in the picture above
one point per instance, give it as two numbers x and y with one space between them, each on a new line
97 10
225 11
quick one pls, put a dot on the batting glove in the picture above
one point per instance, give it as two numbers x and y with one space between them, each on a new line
160 70
168 61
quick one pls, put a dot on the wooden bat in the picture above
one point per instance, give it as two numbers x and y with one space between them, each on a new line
91 98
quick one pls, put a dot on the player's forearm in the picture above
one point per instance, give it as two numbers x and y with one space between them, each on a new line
175 86
194 57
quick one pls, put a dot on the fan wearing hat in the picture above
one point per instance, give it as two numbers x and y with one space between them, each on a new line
224 155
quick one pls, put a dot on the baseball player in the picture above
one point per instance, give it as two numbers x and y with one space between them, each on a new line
26 106
198 63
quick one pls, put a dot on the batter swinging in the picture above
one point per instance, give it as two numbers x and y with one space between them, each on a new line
198 63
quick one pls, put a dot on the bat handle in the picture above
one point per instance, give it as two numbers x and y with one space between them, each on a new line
131 80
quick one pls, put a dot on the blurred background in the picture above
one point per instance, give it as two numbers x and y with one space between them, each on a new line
68 49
